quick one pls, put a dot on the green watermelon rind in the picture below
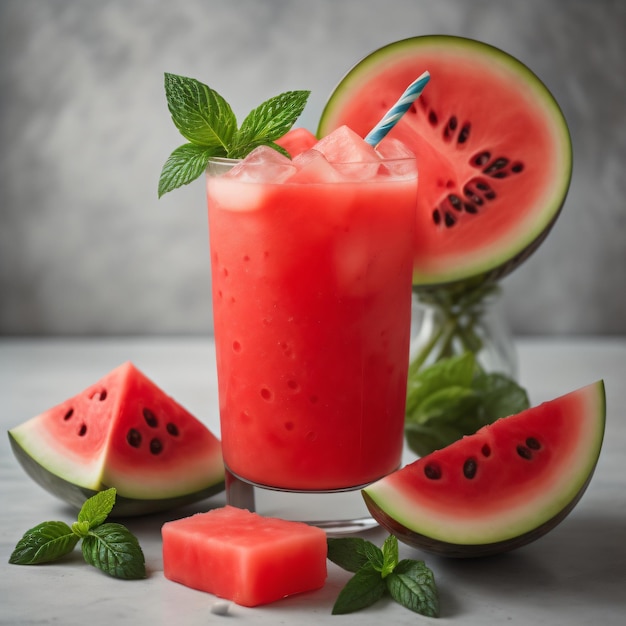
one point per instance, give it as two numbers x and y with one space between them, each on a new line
392 510
509 256
469 550
75 495
193 470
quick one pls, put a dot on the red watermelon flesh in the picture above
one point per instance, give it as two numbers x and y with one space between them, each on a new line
244 557
124 432
297 140
493 150
504 486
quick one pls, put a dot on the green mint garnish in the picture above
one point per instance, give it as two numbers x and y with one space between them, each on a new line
379 572
209 125
44 543
115 550
454 397
109 547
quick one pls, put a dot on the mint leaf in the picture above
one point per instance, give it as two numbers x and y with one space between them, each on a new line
364 589
115 550
268 122
425 438
201 115
185 164
412 585
97 508
456 371
110 547
390 556
500 396
350 553
80 529
453 398
44 543
207 121
378 572
450 403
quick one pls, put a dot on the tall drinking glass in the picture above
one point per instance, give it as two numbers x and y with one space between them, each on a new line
312 310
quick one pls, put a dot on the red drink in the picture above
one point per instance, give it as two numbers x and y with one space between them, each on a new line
312 304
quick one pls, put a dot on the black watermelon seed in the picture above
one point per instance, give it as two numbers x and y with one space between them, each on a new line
449 130
133 437
82 431
68 414
469 468
449 219
437 216
464 133
156 447
172 429
472 196
470 208
456 202
432 471
480 159
486 450
496 167
151 418
524 452
517 167
490 195
533 443
432 118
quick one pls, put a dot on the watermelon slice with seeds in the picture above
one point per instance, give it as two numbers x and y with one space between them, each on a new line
493 150
124 432
501 488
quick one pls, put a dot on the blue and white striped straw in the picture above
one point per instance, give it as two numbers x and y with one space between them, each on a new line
391 118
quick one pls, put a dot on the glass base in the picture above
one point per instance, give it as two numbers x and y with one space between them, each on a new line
311 507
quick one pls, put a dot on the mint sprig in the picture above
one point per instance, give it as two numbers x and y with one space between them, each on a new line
107 546
207 122
453 397
379 572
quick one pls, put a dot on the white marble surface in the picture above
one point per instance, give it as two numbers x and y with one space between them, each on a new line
573 576
84 131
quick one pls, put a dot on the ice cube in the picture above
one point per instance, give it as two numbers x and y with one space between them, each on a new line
392 148
314 168
263 165
398 159
227 194
343 145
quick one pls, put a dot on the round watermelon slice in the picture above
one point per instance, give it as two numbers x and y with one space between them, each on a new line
500 488
493 150
124 432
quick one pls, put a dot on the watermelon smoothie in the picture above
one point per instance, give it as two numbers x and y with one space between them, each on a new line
311 279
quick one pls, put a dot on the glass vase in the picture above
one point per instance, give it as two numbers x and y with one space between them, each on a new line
448 322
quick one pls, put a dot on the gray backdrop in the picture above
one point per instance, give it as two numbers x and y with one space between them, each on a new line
86 247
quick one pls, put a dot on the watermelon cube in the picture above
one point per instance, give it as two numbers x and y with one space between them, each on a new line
244 557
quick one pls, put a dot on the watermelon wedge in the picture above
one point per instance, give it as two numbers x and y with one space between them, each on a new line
124 432
493 150
501 488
